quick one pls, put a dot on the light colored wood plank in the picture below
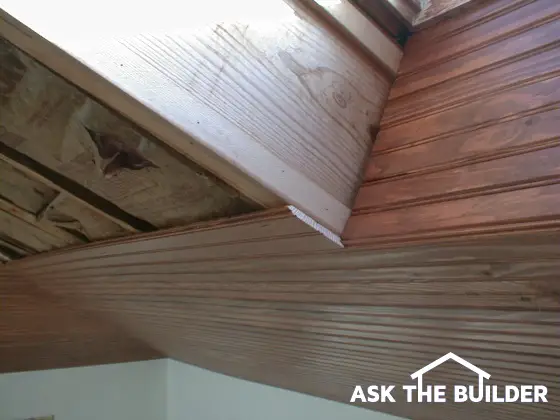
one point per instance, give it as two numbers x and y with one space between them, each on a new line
364 31
61 236
59 183
283 108
22 190
29 235
59 126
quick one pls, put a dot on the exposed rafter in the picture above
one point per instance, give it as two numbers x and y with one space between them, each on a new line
72 189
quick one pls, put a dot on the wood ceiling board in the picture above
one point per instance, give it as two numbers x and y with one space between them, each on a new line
470 151
528 41
540 66
321 320
283 109
351 19
523 133
490 23
38 331
523 170
53 123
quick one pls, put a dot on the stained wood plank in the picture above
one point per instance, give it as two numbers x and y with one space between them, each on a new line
486 177
504 211
531 41
477 15
455 92
39 332
514 103
480 33
458 154
327 312
510 136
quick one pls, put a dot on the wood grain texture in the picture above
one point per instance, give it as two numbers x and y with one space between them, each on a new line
469 140
347 16
47 120
267 298
272 100
69 188
39 331
452 248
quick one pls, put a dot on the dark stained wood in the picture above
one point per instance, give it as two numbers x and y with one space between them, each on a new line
521 133
492 22
471 145
267 298
496 55
455 92
489 175
39 331
470 116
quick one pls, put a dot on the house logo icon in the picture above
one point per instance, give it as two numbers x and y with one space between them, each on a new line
482 375
461 393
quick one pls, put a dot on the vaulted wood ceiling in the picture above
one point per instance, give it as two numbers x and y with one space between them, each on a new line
453 243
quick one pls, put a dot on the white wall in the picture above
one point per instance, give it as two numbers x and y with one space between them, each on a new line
198 394
126 391
159 390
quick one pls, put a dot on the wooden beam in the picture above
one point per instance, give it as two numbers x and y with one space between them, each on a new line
12 248
60 196
29 218
364 31
72 189
265 96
